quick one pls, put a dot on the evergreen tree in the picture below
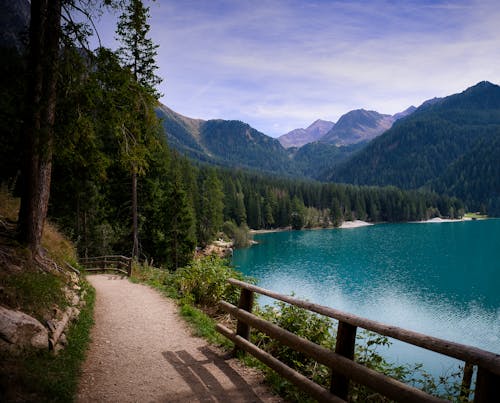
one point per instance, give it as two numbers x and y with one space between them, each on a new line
336 213
38 131
297 216
180 238
138 54
211 208
240 212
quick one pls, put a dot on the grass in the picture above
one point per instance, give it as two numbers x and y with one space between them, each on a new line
40 376
9 206
476 216
203 325
59 248
43 376
34 293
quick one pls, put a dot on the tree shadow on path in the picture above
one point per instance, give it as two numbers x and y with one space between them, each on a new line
205 386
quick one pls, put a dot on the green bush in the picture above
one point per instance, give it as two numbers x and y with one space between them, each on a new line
204 281
320 330
303 323
240 235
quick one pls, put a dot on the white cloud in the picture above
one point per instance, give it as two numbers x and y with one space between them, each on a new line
282 64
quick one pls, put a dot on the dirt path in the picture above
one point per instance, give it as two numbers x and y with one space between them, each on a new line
142 351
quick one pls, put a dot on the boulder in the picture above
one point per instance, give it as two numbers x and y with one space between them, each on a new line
19 331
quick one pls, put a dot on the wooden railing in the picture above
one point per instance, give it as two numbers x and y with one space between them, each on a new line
117 263
341 361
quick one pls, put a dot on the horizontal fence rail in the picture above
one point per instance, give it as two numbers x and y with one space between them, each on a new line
341 361
117 263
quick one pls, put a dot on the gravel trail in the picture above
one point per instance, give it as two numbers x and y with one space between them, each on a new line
142 351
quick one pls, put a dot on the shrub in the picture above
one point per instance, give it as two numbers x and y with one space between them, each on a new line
204 281
240 235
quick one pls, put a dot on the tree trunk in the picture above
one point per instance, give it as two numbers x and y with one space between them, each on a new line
40 116
135 225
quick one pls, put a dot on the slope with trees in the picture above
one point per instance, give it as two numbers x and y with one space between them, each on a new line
423 148
105 130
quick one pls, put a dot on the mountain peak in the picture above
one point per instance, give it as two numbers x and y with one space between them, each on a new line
299 137
357 126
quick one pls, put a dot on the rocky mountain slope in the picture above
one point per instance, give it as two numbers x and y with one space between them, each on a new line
299 137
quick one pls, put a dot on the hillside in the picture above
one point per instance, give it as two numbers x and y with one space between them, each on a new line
232 143
227 143
313 159
39 298
432 145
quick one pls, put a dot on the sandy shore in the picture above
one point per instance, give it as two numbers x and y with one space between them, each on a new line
438 220
345 225
354 224
360 223
268 231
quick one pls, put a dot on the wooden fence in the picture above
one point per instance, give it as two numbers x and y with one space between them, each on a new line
117 263
341 361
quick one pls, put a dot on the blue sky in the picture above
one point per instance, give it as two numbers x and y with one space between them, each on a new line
281 64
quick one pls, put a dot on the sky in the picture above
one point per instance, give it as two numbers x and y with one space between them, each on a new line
279 65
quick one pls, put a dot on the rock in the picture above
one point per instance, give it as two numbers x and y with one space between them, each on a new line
75 314
75 300
20 331
63 340
74 278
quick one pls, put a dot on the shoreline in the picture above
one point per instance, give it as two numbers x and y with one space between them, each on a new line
360 223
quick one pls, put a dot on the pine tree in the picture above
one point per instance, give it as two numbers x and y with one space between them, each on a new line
297 216
211 208
137 53
336 213
180 238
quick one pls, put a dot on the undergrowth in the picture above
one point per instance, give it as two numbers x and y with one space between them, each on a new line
43 376
34 293
40 376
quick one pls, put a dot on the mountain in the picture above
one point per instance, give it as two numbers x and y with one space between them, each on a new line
357 126
312 159
408 111
299 137
228 143
353 127
436 145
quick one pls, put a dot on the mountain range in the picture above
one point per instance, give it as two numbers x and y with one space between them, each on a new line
300 137
308 152
354 127
449 144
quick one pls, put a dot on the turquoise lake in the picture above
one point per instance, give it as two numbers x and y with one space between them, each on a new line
441 279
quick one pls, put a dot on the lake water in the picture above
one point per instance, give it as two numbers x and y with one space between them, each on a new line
441 279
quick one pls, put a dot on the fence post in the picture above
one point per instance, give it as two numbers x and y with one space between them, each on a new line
487 386
245 303
129 267
346 339
465 387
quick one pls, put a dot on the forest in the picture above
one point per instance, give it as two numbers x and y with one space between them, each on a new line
450 145
116 186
